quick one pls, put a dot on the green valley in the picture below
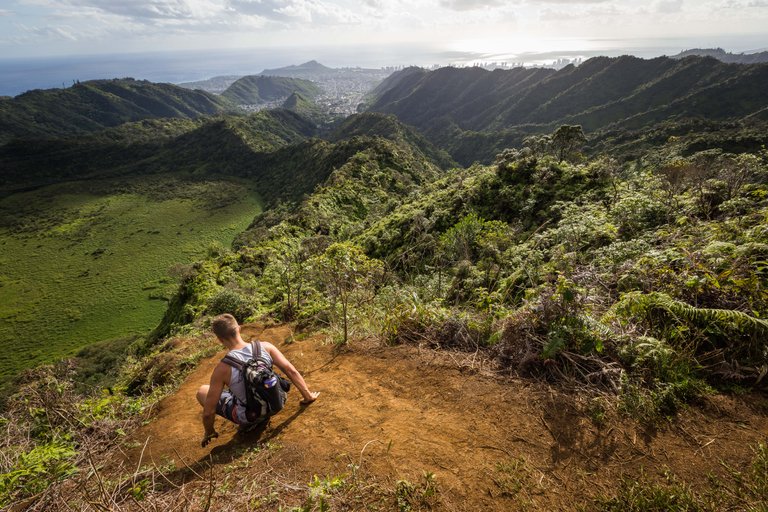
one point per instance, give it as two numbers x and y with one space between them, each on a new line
87 262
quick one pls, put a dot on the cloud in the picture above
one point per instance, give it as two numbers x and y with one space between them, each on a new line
669 6
135 20
267 9
574 14
4 12
50 33
201 16
148 9
470 5
733 4
314 11
568 2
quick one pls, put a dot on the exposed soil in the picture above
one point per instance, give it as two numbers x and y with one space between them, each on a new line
493 443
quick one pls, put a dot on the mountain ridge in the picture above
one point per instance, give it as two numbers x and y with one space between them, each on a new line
258 89
724 56
93 105
502 106
311 66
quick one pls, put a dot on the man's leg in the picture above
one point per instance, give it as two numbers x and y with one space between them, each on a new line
226 407
202 393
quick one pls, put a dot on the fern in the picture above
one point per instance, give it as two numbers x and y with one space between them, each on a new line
723 320
741 338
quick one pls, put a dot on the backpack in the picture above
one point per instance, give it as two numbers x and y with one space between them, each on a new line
265 391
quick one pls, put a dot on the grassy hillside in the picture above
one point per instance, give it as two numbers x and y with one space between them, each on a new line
84 262
90 106
257 89
129 188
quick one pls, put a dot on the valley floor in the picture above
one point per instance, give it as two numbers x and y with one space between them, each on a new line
388 416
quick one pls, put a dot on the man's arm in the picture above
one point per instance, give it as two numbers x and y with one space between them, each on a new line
292 373
209 408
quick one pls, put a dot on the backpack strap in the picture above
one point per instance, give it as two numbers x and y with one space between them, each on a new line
256 351
255 355
234 363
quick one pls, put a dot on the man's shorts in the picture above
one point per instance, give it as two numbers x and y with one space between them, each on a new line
230 408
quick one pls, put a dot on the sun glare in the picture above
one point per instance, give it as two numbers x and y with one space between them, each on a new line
517 48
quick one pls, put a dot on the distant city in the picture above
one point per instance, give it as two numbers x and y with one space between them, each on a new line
344 89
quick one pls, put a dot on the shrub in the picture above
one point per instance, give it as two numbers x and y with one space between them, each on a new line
553 337
732 343
348 277
636 213
234 302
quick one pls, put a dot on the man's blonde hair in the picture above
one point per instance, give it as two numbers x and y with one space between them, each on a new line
225 326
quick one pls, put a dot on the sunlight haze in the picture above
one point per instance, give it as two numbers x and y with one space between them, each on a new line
42 28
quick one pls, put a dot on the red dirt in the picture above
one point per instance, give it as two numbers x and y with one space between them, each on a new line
398 412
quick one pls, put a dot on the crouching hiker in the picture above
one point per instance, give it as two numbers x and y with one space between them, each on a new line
254 392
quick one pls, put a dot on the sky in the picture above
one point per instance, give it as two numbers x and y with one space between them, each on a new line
463 29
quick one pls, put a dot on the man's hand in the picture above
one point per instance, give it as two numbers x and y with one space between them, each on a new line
208 437
313 397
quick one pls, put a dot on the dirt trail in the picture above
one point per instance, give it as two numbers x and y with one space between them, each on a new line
398 412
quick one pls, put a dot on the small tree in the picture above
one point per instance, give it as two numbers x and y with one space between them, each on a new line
566 140
288 265
539 145
346 274
738 170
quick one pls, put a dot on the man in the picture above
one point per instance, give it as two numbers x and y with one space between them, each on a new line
230 403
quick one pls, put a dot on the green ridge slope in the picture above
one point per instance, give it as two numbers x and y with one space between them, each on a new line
257 89
97 104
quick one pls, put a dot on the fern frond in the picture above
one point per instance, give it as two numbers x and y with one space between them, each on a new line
646 305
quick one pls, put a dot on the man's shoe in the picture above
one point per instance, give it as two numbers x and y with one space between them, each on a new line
249 427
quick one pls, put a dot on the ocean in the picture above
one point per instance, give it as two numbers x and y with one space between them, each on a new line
20 75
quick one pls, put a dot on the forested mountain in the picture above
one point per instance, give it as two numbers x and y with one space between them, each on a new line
274 148
474 113
303 106
218 145
387 126
394 79
257 89
93 105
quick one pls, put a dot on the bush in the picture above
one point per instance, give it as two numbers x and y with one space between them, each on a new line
636 213
553 337
234 302
734 344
